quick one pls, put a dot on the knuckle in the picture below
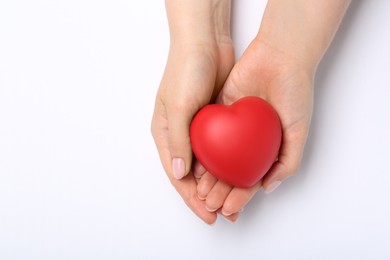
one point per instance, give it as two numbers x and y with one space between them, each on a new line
292 169
153 128
288 169
182 106
176 143
179 105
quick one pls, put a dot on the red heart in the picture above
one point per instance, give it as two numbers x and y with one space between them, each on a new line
239 143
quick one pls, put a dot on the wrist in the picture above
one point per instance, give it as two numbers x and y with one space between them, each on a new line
263 58
201 22
283 55
302 29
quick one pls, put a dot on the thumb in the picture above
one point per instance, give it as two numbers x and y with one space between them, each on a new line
235 87
227 95
288 163
179 142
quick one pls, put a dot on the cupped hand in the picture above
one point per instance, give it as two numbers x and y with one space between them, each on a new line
193 76
286 83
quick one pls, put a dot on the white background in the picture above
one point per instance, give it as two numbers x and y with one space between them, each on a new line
80 177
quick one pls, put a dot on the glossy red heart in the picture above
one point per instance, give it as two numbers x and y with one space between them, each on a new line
239 143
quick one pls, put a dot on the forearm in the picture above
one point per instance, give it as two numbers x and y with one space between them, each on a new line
302 29
198 21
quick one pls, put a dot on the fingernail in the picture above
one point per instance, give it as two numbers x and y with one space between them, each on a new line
199 197
226 214
210 210
272 187
178 168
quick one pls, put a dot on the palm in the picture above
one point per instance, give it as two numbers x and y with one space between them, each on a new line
273 76
190 80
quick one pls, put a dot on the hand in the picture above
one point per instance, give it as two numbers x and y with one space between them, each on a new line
279 66
287 85
198 64
200 59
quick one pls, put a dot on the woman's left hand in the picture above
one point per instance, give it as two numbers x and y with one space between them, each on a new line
287 85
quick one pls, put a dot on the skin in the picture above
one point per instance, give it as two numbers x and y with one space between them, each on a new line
200 59
279 66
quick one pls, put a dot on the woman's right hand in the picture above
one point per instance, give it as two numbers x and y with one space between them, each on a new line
200 58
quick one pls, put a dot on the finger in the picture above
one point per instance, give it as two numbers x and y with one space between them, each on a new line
226 97
238 198
237 86
216 197
187 186
231 218
205 184
179 141
288 162
228 93
199 170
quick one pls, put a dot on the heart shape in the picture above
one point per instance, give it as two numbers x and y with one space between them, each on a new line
239 143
